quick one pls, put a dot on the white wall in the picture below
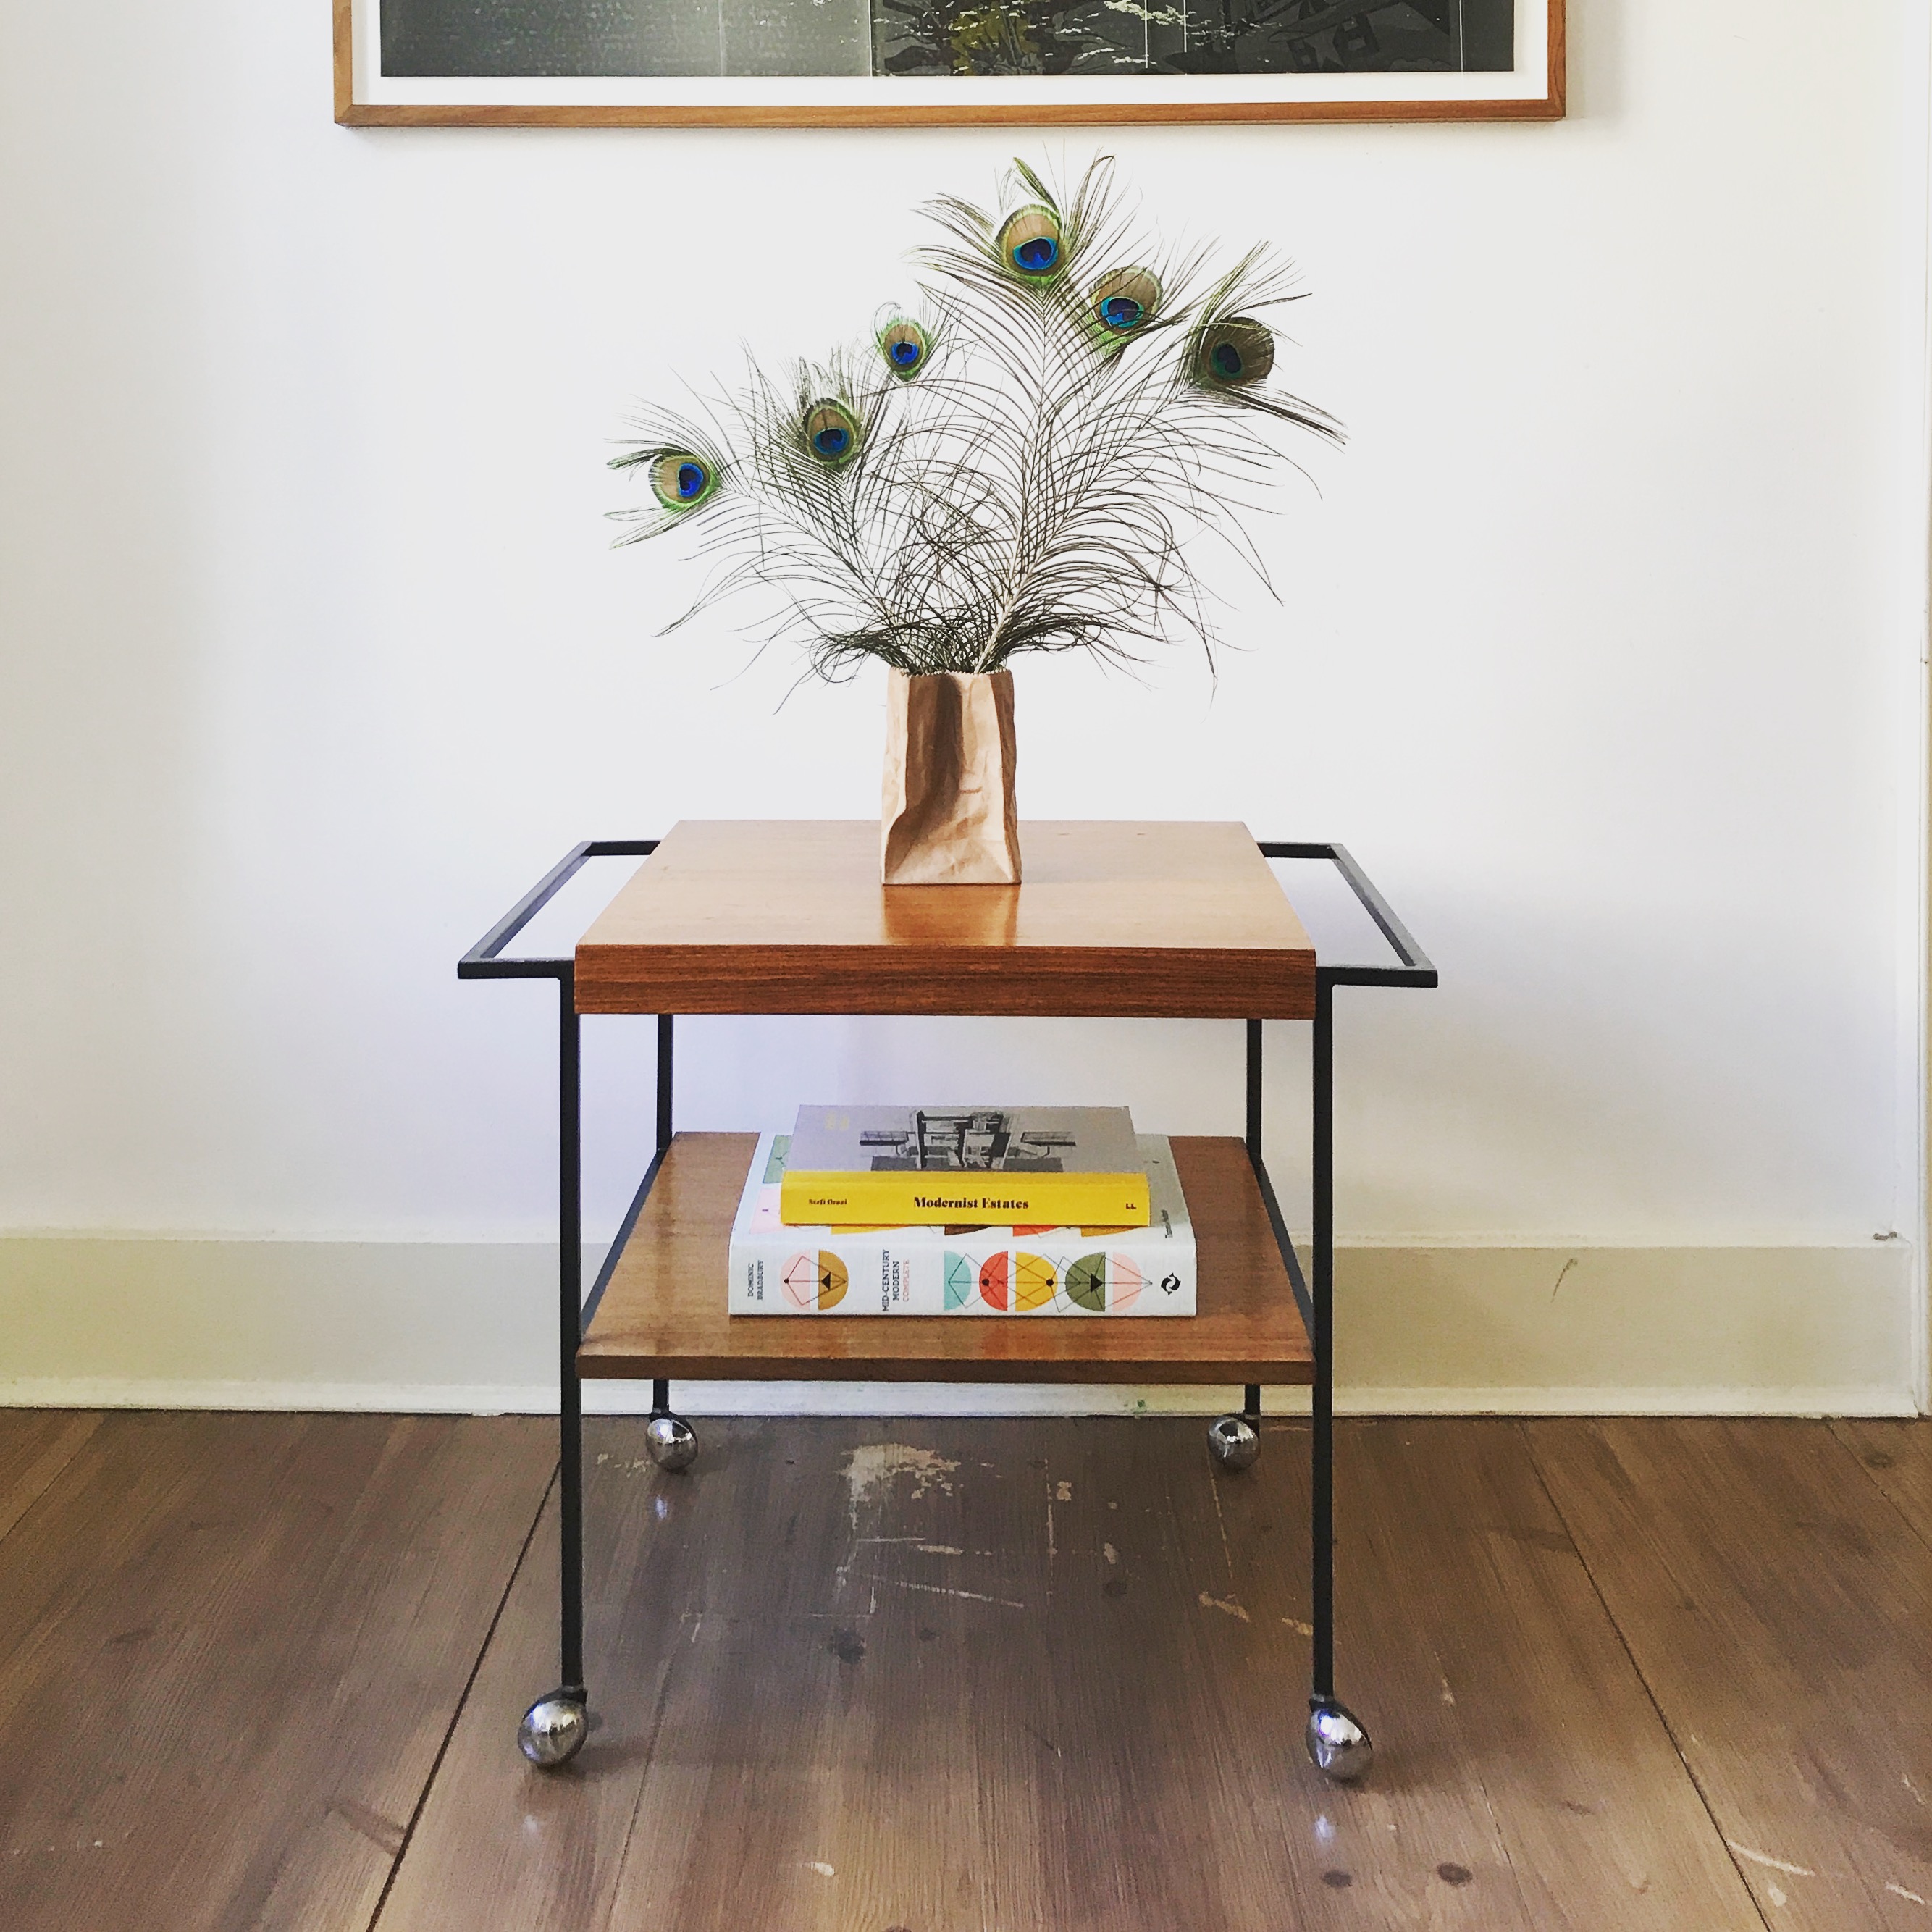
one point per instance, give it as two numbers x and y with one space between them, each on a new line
1600 645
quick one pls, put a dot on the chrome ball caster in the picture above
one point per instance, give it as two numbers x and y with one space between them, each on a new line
672 1441
1338 1747
554 1729
1233 1441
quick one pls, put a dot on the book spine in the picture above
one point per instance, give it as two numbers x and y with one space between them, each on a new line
900 1198
1061 1273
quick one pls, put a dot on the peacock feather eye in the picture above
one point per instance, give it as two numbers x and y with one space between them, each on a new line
1234 352
681 481
831 432
1030 243
1125 299
905 346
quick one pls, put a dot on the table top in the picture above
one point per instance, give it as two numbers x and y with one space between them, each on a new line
1128 919
663 1312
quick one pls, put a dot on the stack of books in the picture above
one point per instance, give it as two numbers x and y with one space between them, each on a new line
1030 1211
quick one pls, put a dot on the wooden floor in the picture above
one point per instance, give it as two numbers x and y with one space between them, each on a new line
264 1671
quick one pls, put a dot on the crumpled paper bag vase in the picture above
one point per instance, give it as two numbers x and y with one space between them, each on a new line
948 816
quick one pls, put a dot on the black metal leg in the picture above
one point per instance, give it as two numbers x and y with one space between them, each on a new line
1336 1741
665 1046
555 1727
1235 1441
1255 1090
671 1439
570 1316
1322 1528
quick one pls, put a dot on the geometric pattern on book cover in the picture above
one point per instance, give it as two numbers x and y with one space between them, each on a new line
1104 1283
962 1280
815 1280
1017 1282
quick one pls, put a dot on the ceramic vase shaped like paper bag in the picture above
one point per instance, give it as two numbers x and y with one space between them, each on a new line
948 816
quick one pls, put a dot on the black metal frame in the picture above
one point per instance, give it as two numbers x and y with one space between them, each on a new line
1315 1298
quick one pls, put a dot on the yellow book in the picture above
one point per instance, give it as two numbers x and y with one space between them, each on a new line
930 1166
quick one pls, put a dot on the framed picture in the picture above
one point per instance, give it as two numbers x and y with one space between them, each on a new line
875 63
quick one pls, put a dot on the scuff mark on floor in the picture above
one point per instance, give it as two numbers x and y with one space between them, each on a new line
1901 1891
1769 1863
383 1833
1560 1273
941 1590
1063 1492
870 1467
1298 1626
1226 1605
819 1866
940 1549
1227 1550
1112 1554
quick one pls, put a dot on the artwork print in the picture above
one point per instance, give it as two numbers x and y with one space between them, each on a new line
940 38
855 62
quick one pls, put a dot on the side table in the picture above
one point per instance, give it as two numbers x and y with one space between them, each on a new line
1120 920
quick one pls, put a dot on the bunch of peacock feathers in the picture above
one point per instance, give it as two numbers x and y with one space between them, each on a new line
1026 462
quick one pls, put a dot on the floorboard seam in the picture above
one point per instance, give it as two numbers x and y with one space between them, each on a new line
1669 1730
644 1778
1871 1476
462 1703
66 1463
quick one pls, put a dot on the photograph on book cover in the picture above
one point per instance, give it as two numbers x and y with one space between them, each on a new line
637 63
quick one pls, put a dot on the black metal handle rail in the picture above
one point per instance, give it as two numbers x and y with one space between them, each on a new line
480 962
1314 1296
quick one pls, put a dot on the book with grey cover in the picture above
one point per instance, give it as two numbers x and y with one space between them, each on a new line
889 1166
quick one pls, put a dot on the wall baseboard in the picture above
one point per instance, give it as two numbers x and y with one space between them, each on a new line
96 1321
924 1399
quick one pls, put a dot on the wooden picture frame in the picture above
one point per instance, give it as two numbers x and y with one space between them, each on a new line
1163 65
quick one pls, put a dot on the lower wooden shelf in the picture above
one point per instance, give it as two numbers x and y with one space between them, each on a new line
662 1313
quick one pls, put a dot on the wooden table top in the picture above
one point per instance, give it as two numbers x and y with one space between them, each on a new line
663 1313
1131 919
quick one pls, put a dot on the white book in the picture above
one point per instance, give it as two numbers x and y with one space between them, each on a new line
1027 1272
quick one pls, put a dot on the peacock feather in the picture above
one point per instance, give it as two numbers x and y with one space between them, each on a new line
686 469
831 431
1030 243
681 479
1035 488
1233 353
906 345
1123 301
